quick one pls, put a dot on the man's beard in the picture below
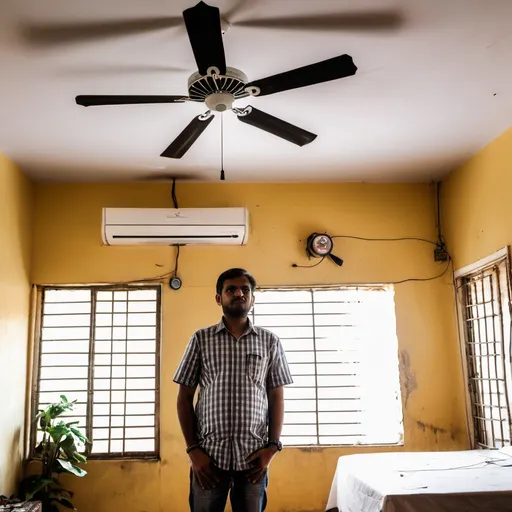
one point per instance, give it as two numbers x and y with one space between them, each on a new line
237 309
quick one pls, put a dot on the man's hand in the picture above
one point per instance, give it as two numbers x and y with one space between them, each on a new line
260 460
203 469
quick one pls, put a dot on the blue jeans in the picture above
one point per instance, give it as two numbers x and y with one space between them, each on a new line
244 496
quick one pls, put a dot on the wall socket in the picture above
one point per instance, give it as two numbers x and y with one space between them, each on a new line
440 253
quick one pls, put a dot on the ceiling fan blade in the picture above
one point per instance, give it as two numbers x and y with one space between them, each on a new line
276 126
324 71
58 33
181 144
204 31
335 259
90 101
367 20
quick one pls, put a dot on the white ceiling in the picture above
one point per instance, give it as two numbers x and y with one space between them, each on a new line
428 93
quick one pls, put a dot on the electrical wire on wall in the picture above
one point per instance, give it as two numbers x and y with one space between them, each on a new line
399 239
438 214
175 281
294 265
402 239
321 246
170 277
173 193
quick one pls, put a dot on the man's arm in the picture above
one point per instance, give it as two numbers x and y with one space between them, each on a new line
263 457
278 376
201 463
275 412
186 413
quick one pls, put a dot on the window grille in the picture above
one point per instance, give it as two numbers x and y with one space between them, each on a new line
484 301
101 347
342 350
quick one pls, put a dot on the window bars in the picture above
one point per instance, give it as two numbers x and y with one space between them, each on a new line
101 346
342 351
484 316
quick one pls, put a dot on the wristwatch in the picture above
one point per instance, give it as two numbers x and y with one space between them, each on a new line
276 443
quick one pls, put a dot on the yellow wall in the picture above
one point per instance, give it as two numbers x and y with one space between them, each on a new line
477 203
16 198
68 250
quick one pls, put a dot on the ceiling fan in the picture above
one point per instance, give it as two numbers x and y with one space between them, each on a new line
219 86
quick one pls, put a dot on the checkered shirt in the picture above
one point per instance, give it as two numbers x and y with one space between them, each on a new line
233 378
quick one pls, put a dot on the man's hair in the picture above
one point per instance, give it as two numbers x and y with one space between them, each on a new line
233 273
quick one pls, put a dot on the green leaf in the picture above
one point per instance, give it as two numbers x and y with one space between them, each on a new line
57 432
32 485
60 493
66 503
78 434
68 444
70 450
63 398
80 458
72 423
70 468
56 410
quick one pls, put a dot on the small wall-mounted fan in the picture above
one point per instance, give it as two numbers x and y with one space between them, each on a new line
219 86
321 246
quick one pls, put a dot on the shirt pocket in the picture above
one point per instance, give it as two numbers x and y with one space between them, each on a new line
255 366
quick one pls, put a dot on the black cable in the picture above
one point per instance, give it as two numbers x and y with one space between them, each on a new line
175 271
387 239
173 193
423 278
438 220
406 238
308 266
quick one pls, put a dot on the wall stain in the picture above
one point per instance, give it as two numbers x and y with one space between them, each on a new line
432 428
409 377
310 449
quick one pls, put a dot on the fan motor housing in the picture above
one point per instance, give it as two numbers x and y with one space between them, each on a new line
220 101
218 91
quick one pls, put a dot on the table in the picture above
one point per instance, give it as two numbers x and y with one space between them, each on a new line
463 481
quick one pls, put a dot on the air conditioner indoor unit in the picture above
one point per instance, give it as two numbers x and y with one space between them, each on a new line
169 226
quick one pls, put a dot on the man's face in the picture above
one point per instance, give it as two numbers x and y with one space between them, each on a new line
236 298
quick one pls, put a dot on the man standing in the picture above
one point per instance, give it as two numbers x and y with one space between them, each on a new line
233 434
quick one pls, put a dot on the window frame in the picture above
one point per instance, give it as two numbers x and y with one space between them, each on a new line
386 288
500 257
36 366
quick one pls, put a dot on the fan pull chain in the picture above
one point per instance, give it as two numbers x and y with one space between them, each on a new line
222 175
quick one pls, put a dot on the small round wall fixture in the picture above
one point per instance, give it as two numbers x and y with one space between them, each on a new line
175 283
320 245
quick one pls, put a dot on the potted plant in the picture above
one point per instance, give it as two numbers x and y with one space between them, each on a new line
59 452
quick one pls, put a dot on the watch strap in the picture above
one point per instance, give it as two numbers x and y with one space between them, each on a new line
276 443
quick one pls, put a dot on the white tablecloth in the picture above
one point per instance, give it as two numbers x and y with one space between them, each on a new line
467 481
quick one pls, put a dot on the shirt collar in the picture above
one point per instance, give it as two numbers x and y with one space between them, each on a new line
221 325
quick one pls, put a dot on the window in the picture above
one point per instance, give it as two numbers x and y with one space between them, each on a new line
342 350
483 305
100 346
